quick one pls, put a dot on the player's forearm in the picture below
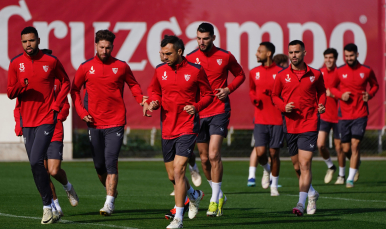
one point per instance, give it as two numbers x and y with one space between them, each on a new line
237 81
15 90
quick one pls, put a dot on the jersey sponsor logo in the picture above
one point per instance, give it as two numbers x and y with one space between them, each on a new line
45 68
46 133
164 77
312 79
92 71
362 75
257 75
21 68
219 61
187 77
344 76
274 76
115 70
197 61
288 79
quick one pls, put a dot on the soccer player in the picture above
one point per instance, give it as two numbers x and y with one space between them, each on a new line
353 78
182 90
268 120
296 91
281 60
214 119
103 78
31 78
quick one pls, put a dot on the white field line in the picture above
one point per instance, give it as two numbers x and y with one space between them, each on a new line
338 198
67 221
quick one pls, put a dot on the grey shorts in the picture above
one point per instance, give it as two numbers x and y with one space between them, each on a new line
303 141
271 135
214 125
327 126
181 146
354 128
55 151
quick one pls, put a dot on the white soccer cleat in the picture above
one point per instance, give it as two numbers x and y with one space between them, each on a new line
196 177
329 174
311 207
298 210
193 205
72 196
49 217
265 180
60 212
274 191
340 180
107 209
176 223
172 194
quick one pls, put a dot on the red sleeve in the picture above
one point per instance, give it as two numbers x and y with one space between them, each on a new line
16 113
154 90
62 116
252 91
133 84
276 91
237 71
321 90
206 93
61 75
14 87
374 86
77 84
334 87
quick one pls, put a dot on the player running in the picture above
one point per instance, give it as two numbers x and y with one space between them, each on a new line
296 91
352 79
103 78
31 79
214 119
182 90
268 120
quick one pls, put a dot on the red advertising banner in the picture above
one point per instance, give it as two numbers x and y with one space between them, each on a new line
68 28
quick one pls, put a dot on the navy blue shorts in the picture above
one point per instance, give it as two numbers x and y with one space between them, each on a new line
327 126
55 151
213 125
268 134
304 141
181 146
354 128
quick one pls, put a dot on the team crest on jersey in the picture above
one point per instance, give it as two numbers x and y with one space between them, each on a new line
344 76
197 61
219 61
257 75
187 77
312 78
288 79
164 77
21 68
92 71
115 70
274 76
45 68
362 75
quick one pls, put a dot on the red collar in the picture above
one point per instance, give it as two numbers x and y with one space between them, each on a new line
36 57
210 52
180 65
270 66
358 65
307 69
96 58
333 69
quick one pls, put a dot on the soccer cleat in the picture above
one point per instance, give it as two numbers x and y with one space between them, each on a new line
329 174
265 182
251 182
48 217
56 215
196 177
172 194
311 207
170 214
72 197
340 180
274 191
221 203
176 223
193 204
298 210
212 210
60 212
107 209
349 184
356 177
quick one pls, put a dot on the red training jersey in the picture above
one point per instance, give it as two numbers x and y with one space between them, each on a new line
216 63
331 114
354 80
174 88
261 81
37 99
103 88
305 94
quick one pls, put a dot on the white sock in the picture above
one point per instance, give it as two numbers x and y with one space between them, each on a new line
67 186
267 167
53 204
342 171
110 199
179 212
47 206
302 198
252 172
351 174
221 193
329 162
216 187
275 181
210 183
195 168
311 191
192 193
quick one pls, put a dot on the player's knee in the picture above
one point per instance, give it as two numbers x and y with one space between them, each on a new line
321 146
205 161
35 164
178 171
54 171
305 165
215 157
100 169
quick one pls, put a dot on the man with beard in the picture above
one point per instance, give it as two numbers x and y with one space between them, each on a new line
31 79
353 78
214 119
267 119
296 91
103 78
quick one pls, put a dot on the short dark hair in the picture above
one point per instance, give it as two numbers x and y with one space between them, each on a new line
331 51
351 48
173 39
297 42
269 46
28 30
206 27
280 58
104 35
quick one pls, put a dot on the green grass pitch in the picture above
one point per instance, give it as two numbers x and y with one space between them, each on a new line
144 199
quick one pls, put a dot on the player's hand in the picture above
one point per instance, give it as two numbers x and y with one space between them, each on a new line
346 96
366 96
328 93
145 109
267 92
321 108
26 81
153 106
87 118
289 107
256 102
190 109
222 93
144 98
